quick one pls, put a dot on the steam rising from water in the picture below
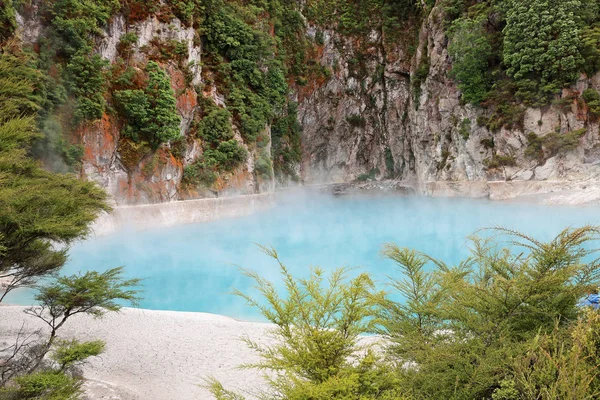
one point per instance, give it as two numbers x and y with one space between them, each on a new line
193 267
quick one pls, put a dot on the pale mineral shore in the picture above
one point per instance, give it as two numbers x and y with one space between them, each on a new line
156 355
174 213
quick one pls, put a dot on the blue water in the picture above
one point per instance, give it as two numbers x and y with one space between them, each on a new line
195 267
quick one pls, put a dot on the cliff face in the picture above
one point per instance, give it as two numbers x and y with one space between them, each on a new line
385 127
386 110
134 173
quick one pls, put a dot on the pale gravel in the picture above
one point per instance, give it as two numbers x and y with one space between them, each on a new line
158 355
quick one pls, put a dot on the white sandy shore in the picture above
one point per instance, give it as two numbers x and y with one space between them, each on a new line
157 355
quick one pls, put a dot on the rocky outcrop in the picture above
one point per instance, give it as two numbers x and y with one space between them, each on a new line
393 124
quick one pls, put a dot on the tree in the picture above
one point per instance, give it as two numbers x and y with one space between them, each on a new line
470 50
317 327
164 120
151 113
91 293
542 42
468 329
41 213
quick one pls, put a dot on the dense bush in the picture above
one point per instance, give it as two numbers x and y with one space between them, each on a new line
151 113
502 325
87 82
542 148
254 82
542 42
216 126
470 51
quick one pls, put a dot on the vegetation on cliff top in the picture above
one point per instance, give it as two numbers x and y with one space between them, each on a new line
508 54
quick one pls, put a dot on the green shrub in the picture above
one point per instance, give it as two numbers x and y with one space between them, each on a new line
356 121
488 143
542 47
47 385
216 126
227 156
318 321
470 50
87 82
592 99
150 114
470 328
542 148
70 353
135 108
127 42
499 160
199 173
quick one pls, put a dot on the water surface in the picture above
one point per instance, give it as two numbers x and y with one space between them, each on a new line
195 267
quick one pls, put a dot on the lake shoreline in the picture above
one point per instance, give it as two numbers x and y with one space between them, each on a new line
148 216
157 355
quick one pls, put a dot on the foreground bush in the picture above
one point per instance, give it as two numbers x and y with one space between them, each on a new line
503 325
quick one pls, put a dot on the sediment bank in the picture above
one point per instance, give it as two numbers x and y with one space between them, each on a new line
159 215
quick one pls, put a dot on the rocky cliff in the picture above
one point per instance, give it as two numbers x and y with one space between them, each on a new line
384 105
391 123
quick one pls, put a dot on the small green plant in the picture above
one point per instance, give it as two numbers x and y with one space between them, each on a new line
500 160
465 128
126 44
488 143
592 99
542 148
356 121
371 176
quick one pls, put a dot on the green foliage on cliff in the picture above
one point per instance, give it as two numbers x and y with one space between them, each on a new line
508 54
470 51
542 148
87 81
242 56
221 152
542 44
150 114
286 150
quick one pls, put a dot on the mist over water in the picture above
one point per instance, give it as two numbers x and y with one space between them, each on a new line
194 267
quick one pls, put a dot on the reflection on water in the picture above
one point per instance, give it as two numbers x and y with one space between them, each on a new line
194 267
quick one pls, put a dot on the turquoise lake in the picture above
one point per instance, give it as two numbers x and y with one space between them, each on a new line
195 267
